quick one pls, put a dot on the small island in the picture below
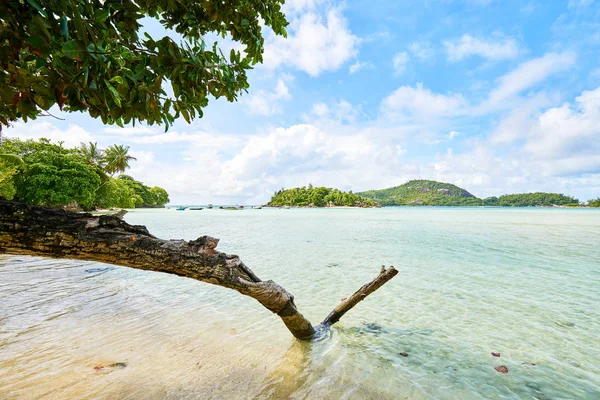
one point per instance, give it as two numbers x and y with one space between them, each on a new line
318 197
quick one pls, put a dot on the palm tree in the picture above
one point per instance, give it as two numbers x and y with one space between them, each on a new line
117 158
92 154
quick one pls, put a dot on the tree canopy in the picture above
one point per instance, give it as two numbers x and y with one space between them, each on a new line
531 200
318 197
423 193
93 56
50 175
594 202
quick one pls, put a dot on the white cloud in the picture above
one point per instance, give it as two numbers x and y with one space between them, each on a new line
358 66
568 131
400 61
492 48
579 3
527 75
73 136
314 45
417 101
267 103
337 113
132 130
295 6
421 50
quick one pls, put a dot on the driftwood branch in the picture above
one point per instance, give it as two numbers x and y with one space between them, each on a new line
38 231
358 296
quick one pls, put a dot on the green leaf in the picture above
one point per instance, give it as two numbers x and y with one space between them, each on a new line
117 79
75 49
37 7
12 159
186 115
114 93
101 15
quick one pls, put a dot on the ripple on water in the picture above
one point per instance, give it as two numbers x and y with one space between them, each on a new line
522 283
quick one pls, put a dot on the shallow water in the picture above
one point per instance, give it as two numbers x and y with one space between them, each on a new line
521 282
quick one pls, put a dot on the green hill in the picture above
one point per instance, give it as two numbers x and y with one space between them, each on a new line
432 193
318 197
423 193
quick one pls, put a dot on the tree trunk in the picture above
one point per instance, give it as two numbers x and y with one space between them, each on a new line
37 231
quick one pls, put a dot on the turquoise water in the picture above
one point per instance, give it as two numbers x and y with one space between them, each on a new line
524 283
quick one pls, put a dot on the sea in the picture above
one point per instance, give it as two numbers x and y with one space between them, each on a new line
478 289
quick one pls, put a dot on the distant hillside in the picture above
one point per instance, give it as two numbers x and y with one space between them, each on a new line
423 193
318 197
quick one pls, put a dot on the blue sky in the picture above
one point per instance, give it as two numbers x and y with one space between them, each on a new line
494 96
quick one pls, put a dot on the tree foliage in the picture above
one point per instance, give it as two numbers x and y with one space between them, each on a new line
116 158
423 192
91 56
594 202
7 184
92 154
318 197
538 199
55 176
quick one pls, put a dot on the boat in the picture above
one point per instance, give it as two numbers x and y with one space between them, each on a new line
257 207
209 206
181 208
196 208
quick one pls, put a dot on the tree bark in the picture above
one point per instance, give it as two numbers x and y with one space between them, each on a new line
358 296
38 231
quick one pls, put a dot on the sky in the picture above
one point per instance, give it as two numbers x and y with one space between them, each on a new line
494 96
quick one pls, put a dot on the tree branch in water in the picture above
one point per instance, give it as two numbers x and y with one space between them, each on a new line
38 231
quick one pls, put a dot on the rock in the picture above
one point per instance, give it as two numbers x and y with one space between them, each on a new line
403 354
496 354
502 369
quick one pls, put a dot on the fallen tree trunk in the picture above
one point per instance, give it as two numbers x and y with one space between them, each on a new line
38 231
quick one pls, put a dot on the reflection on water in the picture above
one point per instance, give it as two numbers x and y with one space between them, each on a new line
522 283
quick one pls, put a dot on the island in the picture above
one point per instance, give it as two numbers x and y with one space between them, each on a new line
318 197
432 193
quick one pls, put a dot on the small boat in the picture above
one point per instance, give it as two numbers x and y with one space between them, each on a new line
257 208
196 208
209 206
181 208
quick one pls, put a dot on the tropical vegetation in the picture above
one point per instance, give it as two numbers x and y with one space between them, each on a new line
318 197
538 199
91 56
423 193
48 174
594 202
432 193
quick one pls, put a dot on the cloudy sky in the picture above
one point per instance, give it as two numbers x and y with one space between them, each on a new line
494 96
